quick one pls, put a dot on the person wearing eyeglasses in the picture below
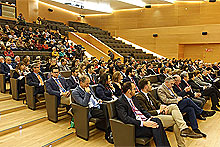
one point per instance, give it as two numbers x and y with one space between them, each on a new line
36 79
186 105
130 77
91 74
130 112
58 86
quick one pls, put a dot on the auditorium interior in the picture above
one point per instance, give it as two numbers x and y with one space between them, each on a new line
103 73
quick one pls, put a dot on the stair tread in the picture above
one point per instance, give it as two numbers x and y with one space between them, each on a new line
20 117
38 134
9 104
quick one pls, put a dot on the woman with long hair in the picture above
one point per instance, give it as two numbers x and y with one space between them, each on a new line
19 74
116 80
104 90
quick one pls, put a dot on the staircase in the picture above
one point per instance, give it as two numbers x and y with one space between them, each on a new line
117 45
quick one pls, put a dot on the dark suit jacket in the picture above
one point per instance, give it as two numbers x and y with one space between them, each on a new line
81 97
183 85
125 113
103 93
32 80
150 72
161 77
5 70
72 83
93 81
52 87
180 92
207 79
195 85
127 79
21 83
145 103
118 91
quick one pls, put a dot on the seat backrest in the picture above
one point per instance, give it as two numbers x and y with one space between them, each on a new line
112 110
65 74
153 78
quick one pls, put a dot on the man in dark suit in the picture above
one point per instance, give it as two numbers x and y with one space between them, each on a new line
162 75
16 61
210 91
91 74
195 96
206 75
36 79
123 71
6 67
169 115
150 70
59 87
130 112
73 80
130 77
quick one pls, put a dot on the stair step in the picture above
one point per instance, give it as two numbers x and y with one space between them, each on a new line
20 117
9 104
43 132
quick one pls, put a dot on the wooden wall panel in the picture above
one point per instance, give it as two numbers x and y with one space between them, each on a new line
57 15
180 23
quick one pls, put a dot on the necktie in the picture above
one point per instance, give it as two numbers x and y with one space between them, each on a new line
60 86
139 115
179 87
40 79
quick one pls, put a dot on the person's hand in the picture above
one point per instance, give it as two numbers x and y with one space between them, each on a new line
187 89
197 95
100 101
150 124
166 110
67 93
87 89
179 99
162 107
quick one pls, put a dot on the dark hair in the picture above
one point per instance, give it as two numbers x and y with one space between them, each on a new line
128 70
208 68
62 60
73 69
88 66
18 66
162 70
54 68
126 86
143 82
103 79
83 78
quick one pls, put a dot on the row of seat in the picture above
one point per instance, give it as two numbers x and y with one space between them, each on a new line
106 38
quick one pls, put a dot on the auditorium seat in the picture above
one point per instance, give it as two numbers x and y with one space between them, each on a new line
107 39
81 119
123 134
2 83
